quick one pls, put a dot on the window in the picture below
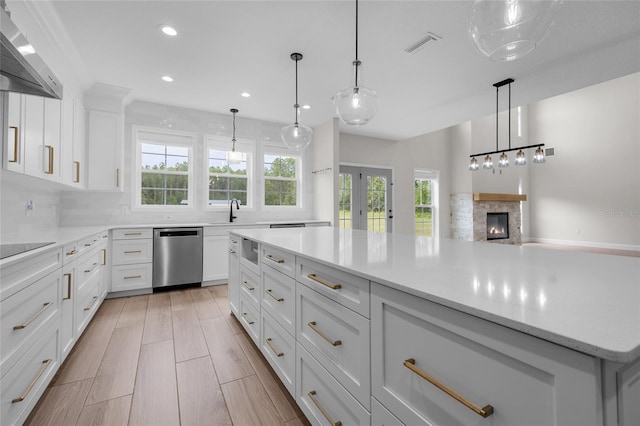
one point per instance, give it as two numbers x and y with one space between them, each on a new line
228 181
345 207
425 190
164 168
281 178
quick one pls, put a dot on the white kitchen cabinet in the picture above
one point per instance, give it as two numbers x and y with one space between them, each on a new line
250 318
105 145
42 136
13 146
233 286
88 288
215 257
73 140
279 349
279 298
498 374
131 259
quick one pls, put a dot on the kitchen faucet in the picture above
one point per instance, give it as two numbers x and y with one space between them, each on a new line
231 216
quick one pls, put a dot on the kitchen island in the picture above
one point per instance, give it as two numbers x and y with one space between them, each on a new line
487 321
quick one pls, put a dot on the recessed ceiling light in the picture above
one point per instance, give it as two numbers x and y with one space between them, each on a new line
168 30
245 94
167 78
306 106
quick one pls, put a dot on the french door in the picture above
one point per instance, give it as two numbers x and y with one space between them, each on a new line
365 199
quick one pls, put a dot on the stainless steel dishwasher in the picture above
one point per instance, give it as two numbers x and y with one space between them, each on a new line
177 256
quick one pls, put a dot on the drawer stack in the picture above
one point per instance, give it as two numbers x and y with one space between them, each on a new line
333 368
132 259
30 327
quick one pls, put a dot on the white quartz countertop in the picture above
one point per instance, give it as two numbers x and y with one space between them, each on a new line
587 302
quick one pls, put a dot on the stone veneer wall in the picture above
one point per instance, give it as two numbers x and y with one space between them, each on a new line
461 213
480 210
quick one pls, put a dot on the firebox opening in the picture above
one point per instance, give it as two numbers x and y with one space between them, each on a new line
497 226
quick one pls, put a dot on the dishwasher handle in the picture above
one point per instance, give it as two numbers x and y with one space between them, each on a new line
164 233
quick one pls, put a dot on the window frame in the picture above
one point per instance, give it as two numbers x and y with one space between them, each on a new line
164 138
433 177
244 145
282 151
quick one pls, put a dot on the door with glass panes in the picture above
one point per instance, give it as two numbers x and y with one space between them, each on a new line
365 199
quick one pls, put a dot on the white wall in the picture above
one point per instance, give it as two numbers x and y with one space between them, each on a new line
87 208
426 152
325 171
589 191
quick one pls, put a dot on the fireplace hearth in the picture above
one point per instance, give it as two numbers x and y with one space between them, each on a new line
497 226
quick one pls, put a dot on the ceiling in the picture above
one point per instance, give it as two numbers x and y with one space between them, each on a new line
226 47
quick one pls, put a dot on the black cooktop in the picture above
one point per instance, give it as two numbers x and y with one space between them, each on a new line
7 250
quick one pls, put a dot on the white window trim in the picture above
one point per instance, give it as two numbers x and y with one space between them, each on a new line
188 140
244 145
269 149
434 176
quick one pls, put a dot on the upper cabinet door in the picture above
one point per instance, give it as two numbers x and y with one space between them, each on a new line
34 158
105 150
13 154
73 139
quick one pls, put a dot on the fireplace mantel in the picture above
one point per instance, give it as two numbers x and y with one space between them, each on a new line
483 196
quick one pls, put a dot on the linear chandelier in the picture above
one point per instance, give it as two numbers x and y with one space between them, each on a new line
521 159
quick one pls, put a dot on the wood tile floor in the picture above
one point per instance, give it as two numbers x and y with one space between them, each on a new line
170 358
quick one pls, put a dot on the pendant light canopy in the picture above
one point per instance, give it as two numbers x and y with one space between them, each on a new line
356 105
233 156
503 161
296 136
505 30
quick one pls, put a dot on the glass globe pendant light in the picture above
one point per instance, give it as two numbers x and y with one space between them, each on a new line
506 30
473 164
521 159
538 156
488 163
233 156
296 136
356 105
503 162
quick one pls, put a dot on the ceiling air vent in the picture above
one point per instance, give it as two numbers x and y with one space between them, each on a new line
429 39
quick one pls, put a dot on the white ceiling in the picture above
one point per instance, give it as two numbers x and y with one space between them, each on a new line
226 47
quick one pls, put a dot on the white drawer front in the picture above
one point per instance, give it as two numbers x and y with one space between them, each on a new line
126 252
526 380
89 265
250 285
88 301
279 260
250 319
321 398
380 416
18 275
28 379
89 242
279 348
279 299
234 242
133 233
25 314
131 277
338 338
70 252
346 289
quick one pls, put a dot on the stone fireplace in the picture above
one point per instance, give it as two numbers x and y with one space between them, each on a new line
473 216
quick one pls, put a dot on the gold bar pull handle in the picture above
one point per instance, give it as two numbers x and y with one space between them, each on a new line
273 259
93 300
246 317
130 234
326 415
323 282
132 277
313 326
232 251
15 144
49 171
132 251
104 257
277 299
21 398
117 178
33 318
246 285
273 348
77 177
68 286
86 271
485 411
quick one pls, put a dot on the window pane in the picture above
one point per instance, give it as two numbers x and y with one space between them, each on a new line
177 197
279 166
177 163
177 181
280 193
153 161
152 197
152 148
180 151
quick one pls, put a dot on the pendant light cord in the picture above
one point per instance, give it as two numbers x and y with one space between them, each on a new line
356 62
509 115
296 106
497 90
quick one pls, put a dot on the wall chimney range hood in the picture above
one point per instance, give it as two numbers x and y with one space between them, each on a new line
22 69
